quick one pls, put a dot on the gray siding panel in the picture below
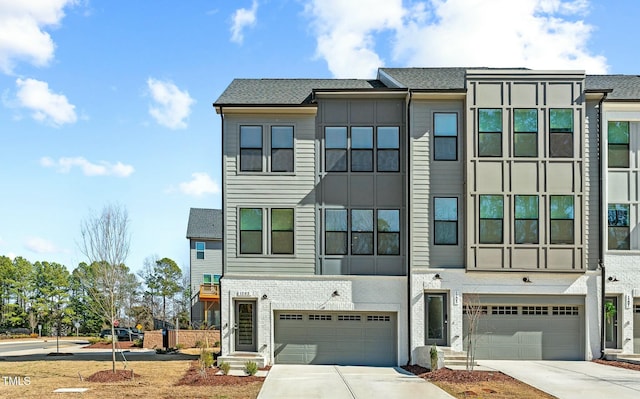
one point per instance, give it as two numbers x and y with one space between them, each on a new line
591 186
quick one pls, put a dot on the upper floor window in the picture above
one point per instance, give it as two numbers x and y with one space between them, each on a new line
618 135
388 144
282 235
250 231
335 231
526 219
360 233
251 148
619 232
362 149
491 219
445 215
561 220
282 149
525 132
445 136
561 133
335 141
490 132
388 232
200 250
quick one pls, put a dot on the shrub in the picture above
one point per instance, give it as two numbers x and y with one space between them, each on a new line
217 344
179 346
224 367
33 335
199 344
434 358
138 343
251 367
206 359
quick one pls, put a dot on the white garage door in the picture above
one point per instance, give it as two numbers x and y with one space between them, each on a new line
636 327
344 338
528 328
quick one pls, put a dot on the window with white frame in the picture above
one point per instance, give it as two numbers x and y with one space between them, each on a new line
200 246
207 278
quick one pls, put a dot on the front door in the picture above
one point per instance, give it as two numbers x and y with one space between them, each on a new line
245 326
611 322
436 319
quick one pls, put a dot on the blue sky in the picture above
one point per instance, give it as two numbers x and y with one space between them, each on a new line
110 101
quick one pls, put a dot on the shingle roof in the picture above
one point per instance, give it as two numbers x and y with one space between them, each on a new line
428 78
625 87
205 223
285 91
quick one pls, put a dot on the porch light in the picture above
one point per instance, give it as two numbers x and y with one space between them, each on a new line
526 280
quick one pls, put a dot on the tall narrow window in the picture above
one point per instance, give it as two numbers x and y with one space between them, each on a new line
525 133
445 216
282 222
362 232
362 149
526 219
335 149
250 231
251 148
335 221
619 233
491 219
618 134
388 232
200 250
490 132
445 136
388 144
562 214
282 148
561 133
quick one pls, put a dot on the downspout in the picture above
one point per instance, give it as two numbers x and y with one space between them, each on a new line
224 241
408 246
600 235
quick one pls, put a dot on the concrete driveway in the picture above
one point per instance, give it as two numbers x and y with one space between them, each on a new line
345 382
569 380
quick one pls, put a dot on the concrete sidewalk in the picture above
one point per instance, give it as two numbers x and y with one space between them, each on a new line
346 382
572 380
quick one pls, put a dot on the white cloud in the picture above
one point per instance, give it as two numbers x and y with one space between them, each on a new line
172 106
539 34
22 37
46 106
201 184
11 255
243 18
40 246
102 168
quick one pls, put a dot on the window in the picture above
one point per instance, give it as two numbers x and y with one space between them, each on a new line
206 278
199 250
445 216
388 232
282 222
335 231
250 231
618 134
525 133
445 136
490 132
362 149
562 219
388 144
335 149
282 148
362 232
526 219
251 148
619 232
561 133
491 214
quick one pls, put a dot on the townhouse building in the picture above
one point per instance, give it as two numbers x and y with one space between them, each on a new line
365 219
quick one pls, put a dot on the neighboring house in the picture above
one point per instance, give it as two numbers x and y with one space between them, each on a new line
204 232
362 217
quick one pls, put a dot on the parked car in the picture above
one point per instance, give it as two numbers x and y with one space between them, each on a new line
123 334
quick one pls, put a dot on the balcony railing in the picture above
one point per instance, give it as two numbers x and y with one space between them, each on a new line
209 292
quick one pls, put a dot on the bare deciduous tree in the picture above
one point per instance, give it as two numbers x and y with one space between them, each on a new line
473 311
105 243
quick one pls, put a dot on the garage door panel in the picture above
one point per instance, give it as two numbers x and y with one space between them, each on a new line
636 327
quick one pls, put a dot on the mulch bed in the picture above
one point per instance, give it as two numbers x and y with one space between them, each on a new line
196 377
457 376
616 363
110 376
104 345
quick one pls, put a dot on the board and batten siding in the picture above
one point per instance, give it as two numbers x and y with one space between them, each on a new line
431 179
271 190
591 186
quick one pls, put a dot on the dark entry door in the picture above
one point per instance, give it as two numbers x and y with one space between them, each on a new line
436 319
245 326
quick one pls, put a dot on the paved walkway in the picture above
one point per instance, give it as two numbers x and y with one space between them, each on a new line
345 382
572 380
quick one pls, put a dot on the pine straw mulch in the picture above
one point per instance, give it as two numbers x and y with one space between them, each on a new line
197 377
457 376
110 376
617 363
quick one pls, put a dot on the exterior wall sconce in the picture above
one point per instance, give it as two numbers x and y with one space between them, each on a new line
264 296
526 280
437 276
613 279
335 293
